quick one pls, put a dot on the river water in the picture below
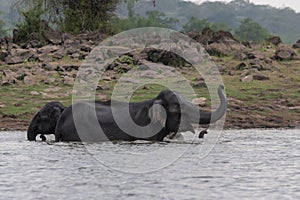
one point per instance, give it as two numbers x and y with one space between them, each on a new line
247 164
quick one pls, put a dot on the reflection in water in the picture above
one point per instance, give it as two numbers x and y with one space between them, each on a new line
252 163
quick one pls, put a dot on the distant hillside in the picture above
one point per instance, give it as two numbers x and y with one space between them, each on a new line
283 22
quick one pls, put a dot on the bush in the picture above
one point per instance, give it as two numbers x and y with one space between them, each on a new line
31 23
250 30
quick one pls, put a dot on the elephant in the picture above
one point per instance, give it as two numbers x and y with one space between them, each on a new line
150 120
44 121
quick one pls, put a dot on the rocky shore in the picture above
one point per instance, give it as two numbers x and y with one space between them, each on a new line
262 80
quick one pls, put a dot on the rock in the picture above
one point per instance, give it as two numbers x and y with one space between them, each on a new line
103 87
247 79
86 47
20 74
241 66
45 58
72 50
49 80
19 56
68 81
3 105
151 75
166 57
275 40
199 101
297 45
70 67
48 66
48 49
223 43
8 73
3 54
70 42
284 52
9 78
106 78
29 80
35 44
123 68
52 89
8 81
59 54
260 77
239 56
34 93
75 55
54 37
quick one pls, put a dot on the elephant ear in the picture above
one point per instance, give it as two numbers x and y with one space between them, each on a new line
158 113
55 112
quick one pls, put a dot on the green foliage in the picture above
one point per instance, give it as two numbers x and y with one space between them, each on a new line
30 23
220 27
250 30
196 24
76 15
153 19
3 31
90 15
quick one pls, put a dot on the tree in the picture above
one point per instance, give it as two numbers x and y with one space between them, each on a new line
30 23
3 31
220 27
77 15
196 24
250 30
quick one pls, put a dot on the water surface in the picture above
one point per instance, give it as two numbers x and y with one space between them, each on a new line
249 164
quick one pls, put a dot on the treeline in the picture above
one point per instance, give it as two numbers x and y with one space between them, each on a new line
101 15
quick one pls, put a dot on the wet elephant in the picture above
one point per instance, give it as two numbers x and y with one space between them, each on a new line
152 120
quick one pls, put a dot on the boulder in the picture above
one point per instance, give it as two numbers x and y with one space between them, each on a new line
29 80
44 58
3 54
8 81
48 49
275 40
54 37
68 81
284 52
297 45
59 54
223 44
241 66
19 56
34 93
260 77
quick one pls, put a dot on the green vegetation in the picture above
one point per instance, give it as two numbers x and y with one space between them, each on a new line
196 24
30 23
250 30
3 31
77 15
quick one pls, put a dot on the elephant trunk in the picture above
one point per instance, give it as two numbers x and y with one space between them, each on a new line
31 132
211 117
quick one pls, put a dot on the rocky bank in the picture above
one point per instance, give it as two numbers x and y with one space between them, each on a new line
45 71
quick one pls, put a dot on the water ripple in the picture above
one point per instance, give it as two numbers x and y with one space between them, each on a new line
255 164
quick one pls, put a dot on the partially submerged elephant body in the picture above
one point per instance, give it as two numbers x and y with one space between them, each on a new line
101 121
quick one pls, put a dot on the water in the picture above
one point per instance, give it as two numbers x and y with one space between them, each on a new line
251 164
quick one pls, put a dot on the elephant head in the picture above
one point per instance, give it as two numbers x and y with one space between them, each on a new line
180 114
44 121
